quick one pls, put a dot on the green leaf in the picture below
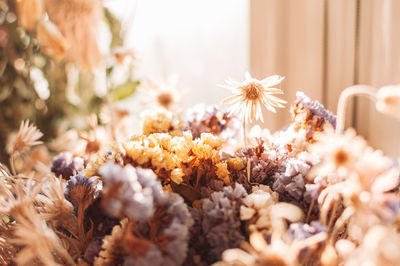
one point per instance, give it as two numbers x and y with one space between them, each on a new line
115 27
124 90
6 219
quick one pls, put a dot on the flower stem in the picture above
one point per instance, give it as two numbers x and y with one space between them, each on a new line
12 164
365 90
245 133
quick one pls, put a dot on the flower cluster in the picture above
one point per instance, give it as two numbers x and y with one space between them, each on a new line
172 194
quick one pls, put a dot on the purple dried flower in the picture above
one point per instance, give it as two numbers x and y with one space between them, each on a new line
153 257
171 221
212 186
301 231
129 191
82 191
210 119
159 222
66 165
93 250
289 181
263 165
219 224
316 108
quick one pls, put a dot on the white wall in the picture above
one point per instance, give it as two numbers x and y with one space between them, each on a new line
203 42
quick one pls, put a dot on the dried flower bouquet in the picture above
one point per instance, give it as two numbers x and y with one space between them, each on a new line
191 189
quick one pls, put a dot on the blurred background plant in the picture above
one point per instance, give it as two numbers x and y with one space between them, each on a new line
59 62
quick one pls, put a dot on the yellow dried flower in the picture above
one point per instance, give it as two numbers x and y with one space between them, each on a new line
99 160
235 164
223 173
161 121
176 175
211 140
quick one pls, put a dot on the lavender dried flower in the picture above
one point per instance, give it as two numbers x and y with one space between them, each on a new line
316 108
128 191
82 191
219 224
262 164
289 181
301 231
67 165
310 116
210 119
157 231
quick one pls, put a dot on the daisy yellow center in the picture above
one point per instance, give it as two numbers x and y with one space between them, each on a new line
164 99
252 91
390 101
341 157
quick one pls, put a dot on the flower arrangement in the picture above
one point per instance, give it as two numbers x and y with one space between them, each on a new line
191 189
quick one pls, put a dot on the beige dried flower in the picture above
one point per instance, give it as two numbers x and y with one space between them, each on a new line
52 205
26 137
96 138
165 94
78 22
29 12
112 252
338 151
256 209
51 41
251 94
379 247
388 100
258 252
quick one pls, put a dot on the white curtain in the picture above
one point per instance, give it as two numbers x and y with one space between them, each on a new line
324 46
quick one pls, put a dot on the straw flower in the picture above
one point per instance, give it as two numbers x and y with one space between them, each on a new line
29 12
165 94
388 100
338 151
26 137
251 94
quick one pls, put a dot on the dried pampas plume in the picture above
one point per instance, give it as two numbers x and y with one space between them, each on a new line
78 22
29 12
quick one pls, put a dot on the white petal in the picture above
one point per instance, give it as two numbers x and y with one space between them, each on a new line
272 80
272 91
259 112
247 75
233 82
228 87
231 99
